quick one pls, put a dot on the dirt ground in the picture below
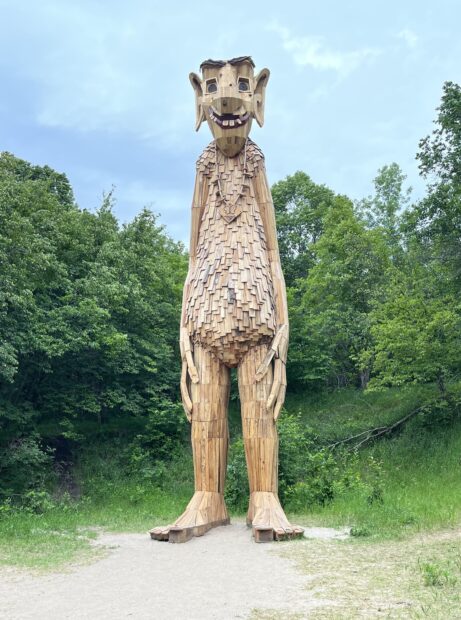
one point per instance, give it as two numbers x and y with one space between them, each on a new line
226 575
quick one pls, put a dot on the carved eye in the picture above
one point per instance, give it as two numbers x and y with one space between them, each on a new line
244 85
211 86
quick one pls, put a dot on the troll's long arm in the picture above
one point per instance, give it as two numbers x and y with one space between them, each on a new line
188 366
277 353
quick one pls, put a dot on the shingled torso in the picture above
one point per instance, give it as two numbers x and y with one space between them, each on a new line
230 305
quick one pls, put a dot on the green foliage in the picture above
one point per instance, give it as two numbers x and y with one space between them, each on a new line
440 153
436 220
372 293
416 329
308 472
331 320
418 479
23 463
340 413
300 207
237 490
88 320
384 209
37 502
360 531
162 439
440 575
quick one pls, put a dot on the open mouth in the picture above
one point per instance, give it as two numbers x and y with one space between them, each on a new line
227 121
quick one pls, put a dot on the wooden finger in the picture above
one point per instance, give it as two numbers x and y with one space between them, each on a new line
278 336
279 339
186 400
283 347
280 401
263 368
191 366
276 383
281 393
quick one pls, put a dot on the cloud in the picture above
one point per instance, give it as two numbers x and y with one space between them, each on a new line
95 71
312 51
409 37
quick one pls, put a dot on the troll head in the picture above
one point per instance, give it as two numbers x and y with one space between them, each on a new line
228 97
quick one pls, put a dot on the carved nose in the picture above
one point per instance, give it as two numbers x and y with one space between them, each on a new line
227 104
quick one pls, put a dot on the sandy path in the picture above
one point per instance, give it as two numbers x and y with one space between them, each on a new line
221 575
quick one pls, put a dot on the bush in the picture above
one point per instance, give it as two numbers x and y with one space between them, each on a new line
24 463
164 438
309 473
37 502
442 411
237 488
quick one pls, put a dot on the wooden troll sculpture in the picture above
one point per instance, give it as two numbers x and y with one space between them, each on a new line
234 312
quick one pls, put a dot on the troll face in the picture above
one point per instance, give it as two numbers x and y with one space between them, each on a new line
229 96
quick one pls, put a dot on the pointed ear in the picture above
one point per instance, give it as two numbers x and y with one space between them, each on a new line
199 112
260 95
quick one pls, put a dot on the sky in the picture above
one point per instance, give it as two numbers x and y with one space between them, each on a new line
100 90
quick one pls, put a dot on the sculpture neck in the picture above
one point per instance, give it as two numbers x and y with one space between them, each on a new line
231 147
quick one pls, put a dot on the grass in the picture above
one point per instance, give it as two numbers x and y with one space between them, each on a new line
418 486
50 536
341 413
419 577
64 533
415 482
441 574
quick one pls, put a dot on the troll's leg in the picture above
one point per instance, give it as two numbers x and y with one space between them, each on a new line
265 514
209 447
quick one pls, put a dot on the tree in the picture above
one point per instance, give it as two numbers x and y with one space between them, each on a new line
416 332
436 221
332 318
417 327
384 209
88 321
440 153
300 206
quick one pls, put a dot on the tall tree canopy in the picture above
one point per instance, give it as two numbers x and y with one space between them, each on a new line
300 207
89 316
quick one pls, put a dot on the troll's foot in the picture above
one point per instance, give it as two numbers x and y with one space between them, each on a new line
268 520
205 510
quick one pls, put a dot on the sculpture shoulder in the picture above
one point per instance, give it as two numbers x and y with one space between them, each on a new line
254 154
206 160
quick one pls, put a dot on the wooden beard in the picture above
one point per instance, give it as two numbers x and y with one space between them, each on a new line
234 312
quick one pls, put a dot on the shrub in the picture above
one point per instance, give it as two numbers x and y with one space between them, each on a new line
309 473
24 463
237 489
162 439
436 575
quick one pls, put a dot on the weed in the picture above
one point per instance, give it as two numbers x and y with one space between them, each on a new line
360 531
437 575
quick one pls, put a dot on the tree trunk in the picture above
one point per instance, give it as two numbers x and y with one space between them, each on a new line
364 378
441 383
